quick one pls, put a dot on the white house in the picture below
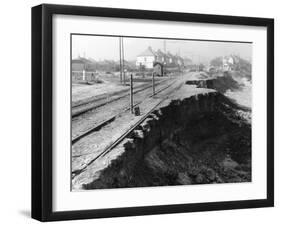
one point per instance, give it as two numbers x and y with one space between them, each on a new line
149 58
146 58
170 58
227 63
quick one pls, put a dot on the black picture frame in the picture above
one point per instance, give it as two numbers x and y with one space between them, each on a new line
42 111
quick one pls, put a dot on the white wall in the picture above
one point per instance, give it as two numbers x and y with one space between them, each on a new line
15 112
147 61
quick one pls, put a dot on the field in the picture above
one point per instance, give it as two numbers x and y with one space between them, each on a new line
109 85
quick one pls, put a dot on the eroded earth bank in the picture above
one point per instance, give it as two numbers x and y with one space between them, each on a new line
197 136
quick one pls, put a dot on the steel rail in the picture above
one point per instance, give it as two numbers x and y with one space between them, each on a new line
121 138
75 114
107 121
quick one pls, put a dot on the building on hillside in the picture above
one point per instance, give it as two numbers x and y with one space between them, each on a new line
150 58
81 63
179 60
170 58
227 63
78 65
158 69
160 56
146 59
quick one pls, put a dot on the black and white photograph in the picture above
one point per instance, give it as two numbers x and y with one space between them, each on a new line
142 111
149 111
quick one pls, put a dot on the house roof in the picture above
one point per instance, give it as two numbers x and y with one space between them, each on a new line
178 57
170 55
81 60
160 53
148 52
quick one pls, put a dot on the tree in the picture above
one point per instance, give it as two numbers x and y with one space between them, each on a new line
216 62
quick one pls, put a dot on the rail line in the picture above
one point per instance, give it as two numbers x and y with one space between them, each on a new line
124 135
107 121
77 113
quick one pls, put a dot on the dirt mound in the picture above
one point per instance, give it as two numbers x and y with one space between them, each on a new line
198 140
225 82
217 151
221 83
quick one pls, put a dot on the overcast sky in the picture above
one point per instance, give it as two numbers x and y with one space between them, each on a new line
104 47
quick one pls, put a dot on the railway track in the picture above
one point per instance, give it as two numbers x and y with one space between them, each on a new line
124 135
107 121
88 106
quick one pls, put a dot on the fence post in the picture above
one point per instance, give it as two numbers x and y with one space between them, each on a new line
131 94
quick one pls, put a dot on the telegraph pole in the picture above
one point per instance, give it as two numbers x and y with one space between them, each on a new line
84 71
131 94
123 62
153 84
120 57
164 63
